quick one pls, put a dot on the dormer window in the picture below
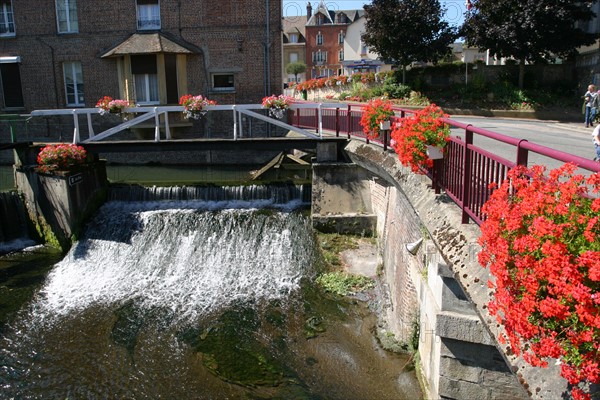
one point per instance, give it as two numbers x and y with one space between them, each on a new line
320 19
293 38
148 15
7 23
319 39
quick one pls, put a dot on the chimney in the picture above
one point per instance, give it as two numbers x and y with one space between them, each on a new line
308 10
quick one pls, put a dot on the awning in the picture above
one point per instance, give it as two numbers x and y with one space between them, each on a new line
149 43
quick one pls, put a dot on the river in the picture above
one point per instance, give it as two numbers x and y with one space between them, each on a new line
189 299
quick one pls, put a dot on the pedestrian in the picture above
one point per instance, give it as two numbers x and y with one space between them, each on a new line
590 102
596 140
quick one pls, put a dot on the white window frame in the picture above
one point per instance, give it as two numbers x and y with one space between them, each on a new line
294 38
341 37
319 56
70 13
147 83
8 20
73 70
319 39
293 57
146 15
341 55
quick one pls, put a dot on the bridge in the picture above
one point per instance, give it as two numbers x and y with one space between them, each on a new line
442 212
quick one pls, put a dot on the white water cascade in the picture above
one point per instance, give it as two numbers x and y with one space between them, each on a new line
187 257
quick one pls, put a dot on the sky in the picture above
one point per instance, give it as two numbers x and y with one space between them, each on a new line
455 9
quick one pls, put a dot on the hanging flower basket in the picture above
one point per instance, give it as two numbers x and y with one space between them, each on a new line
111 106
413 134
277 105
375 113
194 107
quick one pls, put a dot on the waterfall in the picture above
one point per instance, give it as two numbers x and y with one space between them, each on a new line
14 233
266 194
190 257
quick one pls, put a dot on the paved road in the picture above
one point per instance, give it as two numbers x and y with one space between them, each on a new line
572 138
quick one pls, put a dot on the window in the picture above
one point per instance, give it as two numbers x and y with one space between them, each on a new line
293 57
148 14
66 15
341 37
319 57
363 48
73 83
145 79
223 82
11 82
319 39
341 55
293 38
7 24
320 19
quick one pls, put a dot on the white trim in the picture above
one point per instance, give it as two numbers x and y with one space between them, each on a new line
10 60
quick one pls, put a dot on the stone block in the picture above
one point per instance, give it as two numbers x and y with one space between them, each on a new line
454 369
467 328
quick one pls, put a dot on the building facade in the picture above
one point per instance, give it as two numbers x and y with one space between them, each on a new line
70 53
334 45
294 46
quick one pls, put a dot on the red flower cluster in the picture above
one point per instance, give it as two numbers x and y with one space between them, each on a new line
541 242
375 112
60 157
412 135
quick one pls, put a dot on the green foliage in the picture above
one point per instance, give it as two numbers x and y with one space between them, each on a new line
418 25
295 68
332 244
344 284
529 30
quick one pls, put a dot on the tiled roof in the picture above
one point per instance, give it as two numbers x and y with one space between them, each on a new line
150 43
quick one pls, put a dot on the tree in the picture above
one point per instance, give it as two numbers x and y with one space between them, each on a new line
405 31
295 68
528 30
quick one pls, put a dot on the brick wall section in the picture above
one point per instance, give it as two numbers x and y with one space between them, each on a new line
215 27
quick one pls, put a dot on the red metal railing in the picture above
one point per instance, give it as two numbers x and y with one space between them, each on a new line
465 173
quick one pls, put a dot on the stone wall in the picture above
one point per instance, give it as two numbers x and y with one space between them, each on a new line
459 358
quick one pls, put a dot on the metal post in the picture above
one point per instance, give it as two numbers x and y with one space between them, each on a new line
337 122
466 181
235 123
349 120
167 130
156 125
320 119
90 127
522 154
76 138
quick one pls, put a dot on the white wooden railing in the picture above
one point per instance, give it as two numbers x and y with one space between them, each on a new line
148 113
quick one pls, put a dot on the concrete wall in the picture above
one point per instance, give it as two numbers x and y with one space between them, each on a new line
59 203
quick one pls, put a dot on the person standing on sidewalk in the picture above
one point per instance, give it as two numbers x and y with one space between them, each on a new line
590 101
596 140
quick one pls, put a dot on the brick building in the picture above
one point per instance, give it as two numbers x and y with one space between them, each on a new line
325 36
70 53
